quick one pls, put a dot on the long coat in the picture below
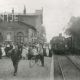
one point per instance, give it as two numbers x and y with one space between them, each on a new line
15 55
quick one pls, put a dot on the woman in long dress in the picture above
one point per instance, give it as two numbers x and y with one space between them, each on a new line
47 51
3 51
25 52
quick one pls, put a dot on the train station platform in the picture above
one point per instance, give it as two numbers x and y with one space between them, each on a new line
52 70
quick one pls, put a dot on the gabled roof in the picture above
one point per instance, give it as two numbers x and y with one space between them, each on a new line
6 25
30 26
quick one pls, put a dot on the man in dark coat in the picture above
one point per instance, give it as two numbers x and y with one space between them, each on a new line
15 57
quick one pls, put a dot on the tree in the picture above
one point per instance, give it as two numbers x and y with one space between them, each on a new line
74 31
41 35
74 27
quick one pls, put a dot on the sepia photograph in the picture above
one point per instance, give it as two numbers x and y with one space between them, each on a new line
39 40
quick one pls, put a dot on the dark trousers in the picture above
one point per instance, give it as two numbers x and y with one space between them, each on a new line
15 65
42 59
0 54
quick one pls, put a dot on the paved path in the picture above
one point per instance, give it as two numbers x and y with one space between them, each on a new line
52 70
24 71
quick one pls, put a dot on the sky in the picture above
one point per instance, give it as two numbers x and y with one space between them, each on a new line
56 13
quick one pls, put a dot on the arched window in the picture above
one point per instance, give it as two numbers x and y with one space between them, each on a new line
9 36
20 37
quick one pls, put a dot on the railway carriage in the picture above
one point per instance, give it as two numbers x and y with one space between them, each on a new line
61 45
66 45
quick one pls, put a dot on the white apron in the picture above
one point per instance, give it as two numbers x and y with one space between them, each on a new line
24 52
3 51
47 51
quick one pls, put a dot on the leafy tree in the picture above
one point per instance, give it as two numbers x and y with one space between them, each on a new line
74 31
41 36
74 27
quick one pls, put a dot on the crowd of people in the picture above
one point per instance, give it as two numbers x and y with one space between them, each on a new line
22 51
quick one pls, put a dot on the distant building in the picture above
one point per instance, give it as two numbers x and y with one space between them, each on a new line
20 28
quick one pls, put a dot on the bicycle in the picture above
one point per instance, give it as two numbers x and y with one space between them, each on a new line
35 59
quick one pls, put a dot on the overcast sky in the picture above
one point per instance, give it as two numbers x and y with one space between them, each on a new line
56 12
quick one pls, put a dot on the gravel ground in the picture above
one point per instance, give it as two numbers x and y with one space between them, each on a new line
24 71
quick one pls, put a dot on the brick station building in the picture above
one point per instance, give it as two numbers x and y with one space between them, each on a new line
20 27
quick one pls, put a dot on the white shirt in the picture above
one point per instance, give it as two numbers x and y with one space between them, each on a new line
34 51
24 51
3 51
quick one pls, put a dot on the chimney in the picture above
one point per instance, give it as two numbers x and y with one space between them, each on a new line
13 11
24 11
13 14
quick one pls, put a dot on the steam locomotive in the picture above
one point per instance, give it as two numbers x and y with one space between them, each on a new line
61 45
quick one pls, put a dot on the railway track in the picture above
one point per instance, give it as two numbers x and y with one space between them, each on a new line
77 57
66 67
75 62
58 74
63 76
